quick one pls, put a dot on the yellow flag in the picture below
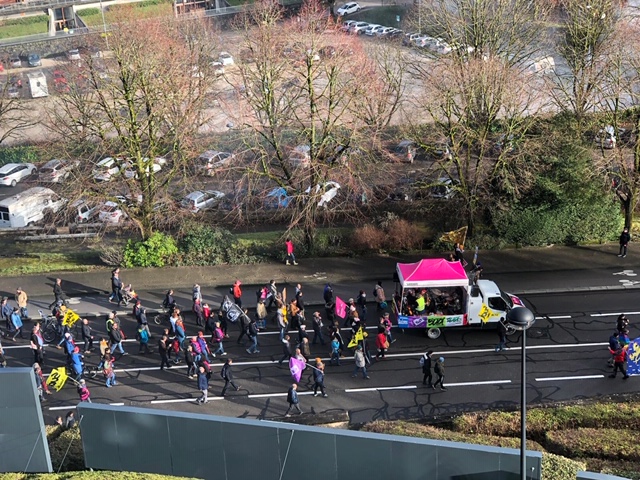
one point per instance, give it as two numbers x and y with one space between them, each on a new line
57 378
455 236
486 313
358 337
70 318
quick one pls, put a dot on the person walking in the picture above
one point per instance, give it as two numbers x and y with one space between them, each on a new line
190 358
379 296
87 337
317 328
335 351
385 321
252 333
198 312
361 364
203 386
58 294
300 299
143 339
291 258
83 391
5 313
21 300
625 238
425 363
204 351
41 382
196 293
237 293
116 288
619 361
272 294
163 350
502 335
381 343
281 315
227 375
292 399
439 371
614 346
286 349
16 324
37 344
108 370
361 301
318 377
216 339
115 336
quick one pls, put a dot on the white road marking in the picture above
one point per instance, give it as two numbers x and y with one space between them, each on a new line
378 389
266 395
612 314
71 407
183 400
582 377
487 382
627 273
554 317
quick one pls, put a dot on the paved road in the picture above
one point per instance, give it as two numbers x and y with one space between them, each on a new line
566 352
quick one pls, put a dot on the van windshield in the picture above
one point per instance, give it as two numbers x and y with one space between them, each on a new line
502 303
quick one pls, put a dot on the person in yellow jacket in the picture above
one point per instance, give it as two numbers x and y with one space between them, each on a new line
21 300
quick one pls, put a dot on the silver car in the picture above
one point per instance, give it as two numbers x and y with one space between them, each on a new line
12 173
196 201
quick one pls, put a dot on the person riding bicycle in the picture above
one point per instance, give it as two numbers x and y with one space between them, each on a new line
169 303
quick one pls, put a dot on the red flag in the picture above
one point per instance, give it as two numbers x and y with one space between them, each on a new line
296 367
341 308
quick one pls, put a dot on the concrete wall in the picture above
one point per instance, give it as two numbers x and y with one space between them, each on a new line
597 476
23 440
207 446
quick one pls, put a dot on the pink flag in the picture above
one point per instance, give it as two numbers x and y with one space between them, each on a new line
296 366
341 308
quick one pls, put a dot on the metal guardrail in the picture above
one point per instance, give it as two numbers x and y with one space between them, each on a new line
30 5
42 37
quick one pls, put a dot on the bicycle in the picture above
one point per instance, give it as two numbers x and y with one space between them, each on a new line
51 329
164 316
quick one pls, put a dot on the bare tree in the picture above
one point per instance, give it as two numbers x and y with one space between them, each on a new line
586 44
305 124
147 100
14 113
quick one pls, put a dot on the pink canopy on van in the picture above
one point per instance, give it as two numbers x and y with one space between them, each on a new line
432 272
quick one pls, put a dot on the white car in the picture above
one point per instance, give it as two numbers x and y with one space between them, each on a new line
372 29
196 201
111 212
130 173
358 28
106 169
56 170
84 211
73 54
212 160
225 58
347 25
12 173
384 31
349 8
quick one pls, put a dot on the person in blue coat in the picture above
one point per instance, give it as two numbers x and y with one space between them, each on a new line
203 386
16 323
77 363
292 398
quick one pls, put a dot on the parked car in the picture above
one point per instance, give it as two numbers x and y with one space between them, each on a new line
196 201
384 31
13 92
225 58
82 211
111 212
409 39
34 60
347 25
358 28
372 29
329 191
56 170
12 173
443 188
606 137
106 169
14 61
156 166
73 55
405 151
212 160
349 8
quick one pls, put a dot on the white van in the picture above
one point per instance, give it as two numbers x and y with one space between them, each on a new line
29 207
38 84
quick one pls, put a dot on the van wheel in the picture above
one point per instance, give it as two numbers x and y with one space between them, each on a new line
13 183
433 333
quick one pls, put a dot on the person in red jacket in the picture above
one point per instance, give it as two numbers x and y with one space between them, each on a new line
291 258
618 363
381 343
237 293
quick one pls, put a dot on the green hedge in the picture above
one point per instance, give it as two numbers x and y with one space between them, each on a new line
542 420
556 467
67 440
18 155
25 20
410 429
609 443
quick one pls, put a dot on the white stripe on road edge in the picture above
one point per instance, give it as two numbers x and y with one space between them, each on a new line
583 377
265 395
554 317
71 407
488 382
612 314
183 400
378 389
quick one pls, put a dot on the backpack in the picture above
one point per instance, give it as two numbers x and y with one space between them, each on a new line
223 372
422 361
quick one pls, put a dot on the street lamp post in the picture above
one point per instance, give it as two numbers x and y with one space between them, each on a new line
521 318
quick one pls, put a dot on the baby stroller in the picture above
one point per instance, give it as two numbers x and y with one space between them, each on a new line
128 295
